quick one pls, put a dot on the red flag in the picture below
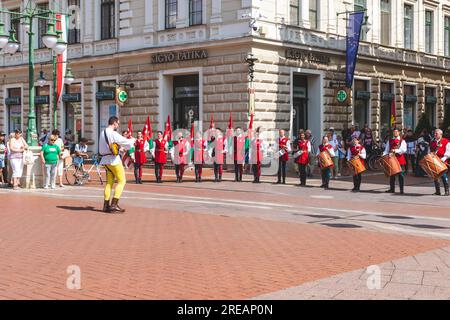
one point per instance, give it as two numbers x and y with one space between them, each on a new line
192 134
230 122
211 122
147 131
250 126
393 111
130 128
168 129
61 58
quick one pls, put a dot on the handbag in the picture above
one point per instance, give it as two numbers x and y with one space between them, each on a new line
28 157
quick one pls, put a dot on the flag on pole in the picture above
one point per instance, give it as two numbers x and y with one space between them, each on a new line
354 25
250 126
147 131
211 121
130 128
192 141
393 116
61 59
168 132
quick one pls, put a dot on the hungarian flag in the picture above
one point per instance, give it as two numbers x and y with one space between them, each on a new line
393 111
250 126
192 141
130 128
168 131
147 131
61 24
229 136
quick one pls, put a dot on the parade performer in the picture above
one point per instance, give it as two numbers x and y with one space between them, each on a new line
257 151
302 156
325 171
441 146
396 145
140 148
199 155
284 147
180 154
238 154
357 150
109 143
159 153
219 148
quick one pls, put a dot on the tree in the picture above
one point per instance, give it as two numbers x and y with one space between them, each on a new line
424 123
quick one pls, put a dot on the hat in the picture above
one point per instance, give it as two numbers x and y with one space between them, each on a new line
2 133
331 128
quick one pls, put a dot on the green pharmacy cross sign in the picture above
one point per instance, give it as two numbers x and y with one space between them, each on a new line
123 96
341 96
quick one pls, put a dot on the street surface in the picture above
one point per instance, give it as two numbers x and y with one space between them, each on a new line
227 241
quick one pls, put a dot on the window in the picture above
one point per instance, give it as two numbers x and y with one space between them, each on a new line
294 11
408 26
14 110
171 14
430 105
195 12
409 109
385 108
361 5
73 112
428 31
42 24
15 23
385 36
74 26
313 13
108 19
447 36
361 109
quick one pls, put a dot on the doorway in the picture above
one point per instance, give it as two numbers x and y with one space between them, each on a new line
186 104
300 105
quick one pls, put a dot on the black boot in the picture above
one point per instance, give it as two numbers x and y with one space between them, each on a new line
437 187
220 178
446 188
392 184
114 208
106 206
401 182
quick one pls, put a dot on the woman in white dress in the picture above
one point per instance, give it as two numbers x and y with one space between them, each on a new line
17 146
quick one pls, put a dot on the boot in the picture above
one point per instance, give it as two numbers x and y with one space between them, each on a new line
106 206
114 208
392 184
446 188
220 178
402 184
438 188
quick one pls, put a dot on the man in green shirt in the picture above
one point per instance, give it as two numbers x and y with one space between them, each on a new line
50 154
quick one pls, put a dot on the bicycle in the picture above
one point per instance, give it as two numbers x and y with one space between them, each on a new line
373 158
77 175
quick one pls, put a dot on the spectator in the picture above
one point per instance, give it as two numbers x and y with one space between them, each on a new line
341 154
312 141
80 152
334 144
423 148
3 153
333 134
355 132
367 140
17 146
50 155
69 139
60 168
411 143
43 137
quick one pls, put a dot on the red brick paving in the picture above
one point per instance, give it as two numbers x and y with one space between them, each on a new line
155 254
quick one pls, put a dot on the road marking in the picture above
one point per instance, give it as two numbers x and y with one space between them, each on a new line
322 197
405 230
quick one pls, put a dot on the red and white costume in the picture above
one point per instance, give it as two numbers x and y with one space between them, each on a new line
400 149
284 147
443 151
357 150
304 149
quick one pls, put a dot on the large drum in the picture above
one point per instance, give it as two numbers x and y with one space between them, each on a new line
325 160
390 165
433 166
357 165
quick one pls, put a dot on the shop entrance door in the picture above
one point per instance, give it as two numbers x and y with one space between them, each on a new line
300 105
186 101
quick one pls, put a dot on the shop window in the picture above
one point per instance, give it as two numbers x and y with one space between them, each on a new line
361 5
14 110
447 36
73 113
361 105
409 107
313 5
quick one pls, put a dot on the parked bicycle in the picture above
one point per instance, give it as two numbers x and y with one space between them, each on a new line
77 174
374 157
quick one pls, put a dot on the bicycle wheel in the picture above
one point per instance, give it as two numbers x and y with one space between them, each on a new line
71 173
375 163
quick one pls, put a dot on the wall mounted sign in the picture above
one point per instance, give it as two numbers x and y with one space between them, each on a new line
299 92
71 97
105 95
362 95
186 92
430 99
342 96
410 98
387 96
12 101
41 99
167 57
307 56
121 96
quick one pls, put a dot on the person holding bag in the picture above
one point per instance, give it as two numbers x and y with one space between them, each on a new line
17 146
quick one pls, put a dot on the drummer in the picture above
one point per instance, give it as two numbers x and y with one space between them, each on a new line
357 150
396 145
325 172
441 146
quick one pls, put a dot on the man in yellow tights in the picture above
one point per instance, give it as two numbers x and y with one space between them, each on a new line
109 144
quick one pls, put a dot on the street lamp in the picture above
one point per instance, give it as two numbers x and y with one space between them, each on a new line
61 45
13 45
50 39
251 60
69 78
4 37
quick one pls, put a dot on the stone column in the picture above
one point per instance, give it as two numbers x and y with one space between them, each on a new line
148 16
216 11
375 100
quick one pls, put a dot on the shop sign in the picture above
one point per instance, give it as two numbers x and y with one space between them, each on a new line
121 96
342 96
430 99
12 101
387 96
41 99
186 92
167 57
363 95
105 95
410 98
307 56
71 97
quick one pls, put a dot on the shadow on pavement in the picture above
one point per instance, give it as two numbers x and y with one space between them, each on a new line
72 208
341 225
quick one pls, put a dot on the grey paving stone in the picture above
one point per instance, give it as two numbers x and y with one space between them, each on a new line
407 276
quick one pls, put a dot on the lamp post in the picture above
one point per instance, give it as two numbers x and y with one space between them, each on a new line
251 60
30 14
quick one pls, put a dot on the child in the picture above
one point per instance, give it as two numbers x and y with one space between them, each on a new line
326 172
356 150
50 156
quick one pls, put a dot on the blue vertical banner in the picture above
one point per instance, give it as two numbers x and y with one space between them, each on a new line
354 25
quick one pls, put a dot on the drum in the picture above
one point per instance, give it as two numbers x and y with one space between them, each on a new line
357 165
433 166
390 165
325 160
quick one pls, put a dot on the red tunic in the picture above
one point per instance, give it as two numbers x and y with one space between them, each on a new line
355 150
160 151
282 143
219 146
323 148
441 151
395 144
180 149
256 150
139 154
303 158
199 149
238 148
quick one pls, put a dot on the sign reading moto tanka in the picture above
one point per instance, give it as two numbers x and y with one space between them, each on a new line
179 56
